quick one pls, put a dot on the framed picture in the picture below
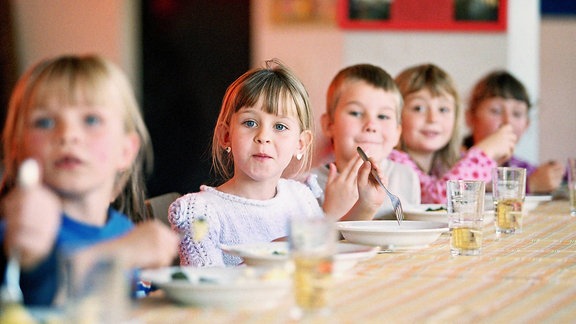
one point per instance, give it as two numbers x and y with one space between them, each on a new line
424 15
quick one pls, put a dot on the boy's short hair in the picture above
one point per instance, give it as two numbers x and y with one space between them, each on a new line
368 73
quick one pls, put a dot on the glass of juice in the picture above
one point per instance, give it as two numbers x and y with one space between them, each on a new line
465 205
509 191
312 248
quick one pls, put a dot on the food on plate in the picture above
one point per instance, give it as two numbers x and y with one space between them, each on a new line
438 209
200 229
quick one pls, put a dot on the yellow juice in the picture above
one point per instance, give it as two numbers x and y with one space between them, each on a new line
466 238
509 214
312 278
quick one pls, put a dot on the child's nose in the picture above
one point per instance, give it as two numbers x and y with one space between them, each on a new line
370 126
262 136
431 115
67 133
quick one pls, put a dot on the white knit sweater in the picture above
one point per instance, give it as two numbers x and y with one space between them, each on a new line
235 220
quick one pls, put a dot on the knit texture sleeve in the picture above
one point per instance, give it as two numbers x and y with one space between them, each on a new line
196 249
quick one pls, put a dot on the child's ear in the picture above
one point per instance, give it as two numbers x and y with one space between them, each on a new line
223 135
326 125
130 149
469 119
396 140
304 142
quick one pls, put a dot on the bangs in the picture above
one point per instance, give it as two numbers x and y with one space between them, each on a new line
69 83
280 103
436 86
274 93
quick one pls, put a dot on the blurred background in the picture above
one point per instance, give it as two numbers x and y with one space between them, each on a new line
182 54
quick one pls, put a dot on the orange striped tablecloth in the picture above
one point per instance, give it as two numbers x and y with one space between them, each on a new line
527 277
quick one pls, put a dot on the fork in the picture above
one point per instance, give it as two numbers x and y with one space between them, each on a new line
10 291
393 198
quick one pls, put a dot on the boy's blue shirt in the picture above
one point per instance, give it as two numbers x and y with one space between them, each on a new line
40 284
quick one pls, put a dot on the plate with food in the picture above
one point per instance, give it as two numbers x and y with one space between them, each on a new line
278 254
426 212
222 287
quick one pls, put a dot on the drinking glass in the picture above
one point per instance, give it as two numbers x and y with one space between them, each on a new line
465 205
509 191
97 289
572 185
312 247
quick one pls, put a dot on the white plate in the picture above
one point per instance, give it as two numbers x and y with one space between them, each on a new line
532 201
277 254
426 212
234 288
389 236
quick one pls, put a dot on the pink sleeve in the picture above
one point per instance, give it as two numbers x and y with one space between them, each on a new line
474 165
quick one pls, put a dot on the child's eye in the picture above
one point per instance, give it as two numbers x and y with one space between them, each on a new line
280 127
354 113
444 109
44 123
494 110
518 114
93 120
249 123
384 117
418 108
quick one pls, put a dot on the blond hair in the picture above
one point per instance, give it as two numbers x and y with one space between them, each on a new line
438 82
274 84
71 80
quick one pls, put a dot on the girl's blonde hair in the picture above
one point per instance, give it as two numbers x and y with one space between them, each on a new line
72 80
438 82
368 73
277 86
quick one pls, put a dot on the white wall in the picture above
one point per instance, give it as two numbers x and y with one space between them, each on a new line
558 89
317 52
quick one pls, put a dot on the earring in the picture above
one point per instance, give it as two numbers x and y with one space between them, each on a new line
299 156
228 149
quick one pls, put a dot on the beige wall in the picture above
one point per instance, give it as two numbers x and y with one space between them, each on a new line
48 28
558 89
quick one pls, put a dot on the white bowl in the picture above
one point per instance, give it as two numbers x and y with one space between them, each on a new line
231 288
426 212
390 236
277 254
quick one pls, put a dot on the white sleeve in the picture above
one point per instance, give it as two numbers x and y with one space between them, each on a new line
196 251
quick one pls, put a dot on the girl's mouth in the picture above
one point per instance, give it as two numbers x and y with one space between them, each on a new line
68 162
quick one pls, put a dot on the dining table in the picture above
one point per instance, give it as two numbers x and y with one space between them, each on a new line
527 277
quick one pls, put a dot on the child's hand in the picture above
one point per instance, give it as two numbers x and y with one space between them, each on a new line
341 190
547 177
370 194
500 145
33 216
150 244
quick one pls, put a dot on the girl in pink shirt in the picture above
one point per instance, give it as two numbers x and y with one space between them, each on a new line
431 140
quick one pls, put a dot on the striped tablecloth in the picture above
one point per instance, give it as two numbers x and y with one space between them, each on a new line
527 277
